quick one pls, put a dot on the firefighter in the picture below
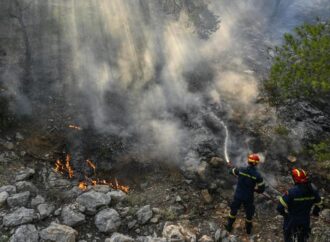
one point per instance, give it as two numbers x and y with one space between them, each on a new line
249 181
296 204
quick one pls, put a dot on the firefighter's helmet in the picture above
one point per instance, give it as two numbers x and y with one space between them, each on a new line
299 176
253 159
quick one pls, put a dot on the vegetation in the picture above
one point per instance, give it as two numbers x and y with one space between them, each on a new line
321 151
301 68
281 130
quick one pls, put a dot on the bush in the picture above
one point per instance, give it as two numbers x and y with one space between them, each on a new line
301 68
321 151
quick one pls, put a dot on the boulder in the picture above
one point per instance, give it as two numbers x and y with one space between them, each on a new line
116 237
101 188
150 239
144 214
18 200
58 233
3 198
23 186
25 233
107 220
216 161
37 200
117 195
206 196
71 216
326 214
19 216
205 238
178 233
9 188
203 171
9 145
217 235
24 174
45 210
93 200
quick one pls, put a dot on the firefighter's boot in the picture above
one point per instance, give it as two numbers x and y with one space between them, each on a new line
229 226
248 226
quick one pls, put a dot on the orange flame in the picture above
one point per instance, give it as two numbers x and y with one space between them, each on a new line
72 126
91 165
66 168
83 185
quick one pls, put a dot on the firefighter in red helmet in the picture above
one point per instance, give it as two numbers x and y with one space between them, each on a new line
296 204
249 181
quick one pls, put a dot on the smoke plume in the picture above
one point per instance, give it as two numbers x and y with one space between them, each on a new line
148 70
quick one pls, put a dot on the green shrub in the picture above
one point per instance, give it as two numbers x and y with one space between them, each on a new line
321 151
301 68
281 130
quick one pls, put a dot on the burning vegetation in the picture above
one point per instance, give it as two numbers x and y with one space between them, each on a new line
65 168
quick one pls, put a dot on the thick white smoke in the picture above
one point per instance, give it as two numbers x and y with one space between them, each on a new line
134 68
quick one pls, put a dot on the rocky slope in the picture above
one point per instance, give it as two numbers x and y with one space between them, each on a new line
38 204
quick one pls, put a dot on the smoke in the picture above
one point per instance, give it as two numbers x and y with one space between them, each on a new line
148 69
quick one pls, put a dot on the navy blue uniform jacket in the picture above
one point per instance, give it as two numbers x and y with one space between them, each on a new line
297 203
249 181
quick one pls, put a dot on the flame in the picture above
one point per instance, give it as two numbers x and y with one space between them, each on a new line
91 165
72 126
83 185
66 168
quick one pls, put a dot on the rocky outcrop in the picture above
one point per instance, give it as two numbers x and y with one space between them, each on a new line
19 216
59 233
144 214
107 220
71 217
178 233
37 200
8 188
45 210
117 195
25 233
19 199
116 237
24 174
93 200
23 186
3 198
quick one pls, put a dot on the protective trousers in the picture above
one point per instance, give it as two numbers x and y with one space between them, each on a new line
296 228
249 212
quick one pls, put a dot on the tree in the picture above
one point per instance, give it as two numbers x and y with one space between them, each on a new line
301 68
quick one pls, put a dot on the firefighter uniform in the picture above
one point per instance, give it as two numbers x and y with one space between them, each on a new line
249 181
295 206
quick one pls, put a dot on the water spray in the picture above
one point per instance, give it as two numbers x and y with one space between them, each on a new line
225 152
226 141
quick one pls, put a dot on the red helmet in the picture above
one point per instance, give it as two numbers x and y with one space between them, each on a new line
253 159
299 175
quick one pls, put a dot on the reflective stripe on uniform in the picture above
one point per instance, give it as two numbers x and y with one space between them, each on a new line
283 202
231 216
233 171
260 184
247 175
300 199
248 220
318 204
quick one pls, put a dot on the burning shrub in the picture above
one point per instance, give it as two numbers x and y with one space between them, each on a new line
65 168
